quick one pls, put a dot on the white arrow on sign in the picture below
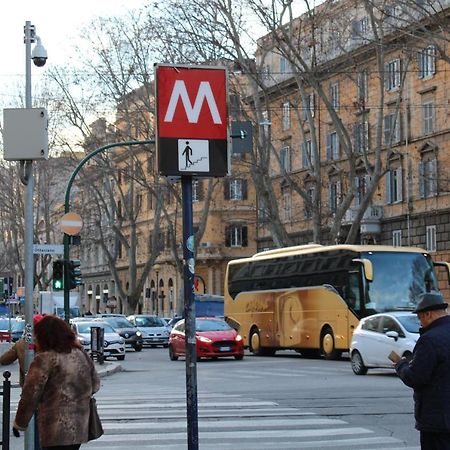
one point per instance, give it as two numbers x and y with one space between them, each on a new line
48 249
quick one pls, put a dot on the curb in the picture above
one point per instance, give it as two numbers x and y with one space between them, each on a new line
110 369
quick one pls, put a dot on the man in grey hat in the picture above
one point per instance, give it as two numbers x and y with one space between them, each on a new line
428 373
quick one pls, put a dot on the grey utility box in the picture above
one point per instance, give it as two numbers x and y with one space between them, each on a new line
25 134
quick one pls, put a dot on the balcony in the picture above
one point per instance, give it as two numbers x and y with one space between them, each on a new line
371 221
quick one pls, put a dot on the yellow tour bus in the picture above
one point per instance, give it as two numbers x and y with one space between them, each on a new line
310 297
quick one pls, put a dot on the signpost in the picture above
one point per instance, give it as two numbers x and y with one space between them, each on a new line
192 140
48 249
71 223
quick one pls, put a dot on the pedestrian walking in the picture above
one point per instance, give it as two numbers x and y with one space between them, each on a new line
428 373
59 384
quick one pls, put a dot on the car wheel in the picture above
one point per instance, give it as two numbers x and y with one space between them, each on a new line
358 366
239 357
327 344
137 347
172 355
120 357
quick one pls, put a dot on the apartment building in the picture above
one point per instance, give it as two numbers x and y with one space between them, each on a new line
359 101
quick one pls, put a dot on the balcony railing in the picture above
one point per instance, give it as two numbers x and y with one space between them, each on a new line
370 222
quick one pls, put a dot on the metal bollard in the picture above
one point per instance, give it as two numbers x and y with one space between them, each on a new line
6 393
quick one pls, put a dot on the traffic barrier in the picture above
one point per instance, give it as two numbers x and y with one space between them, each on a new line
6 394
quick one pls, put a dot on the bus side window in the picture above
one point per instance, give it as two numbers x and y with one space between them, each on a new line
354 291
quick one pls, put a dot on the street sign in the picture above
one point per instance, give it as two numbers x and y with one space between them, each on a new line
48 249
192 120
71 223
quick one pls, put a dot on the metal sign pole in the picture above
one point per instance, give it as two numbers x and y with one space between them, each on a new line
189 315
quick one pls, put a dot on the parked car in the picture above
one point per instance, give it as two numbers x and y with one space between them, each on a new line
11 329
215 338
113 344
154 329
132 336
17 329
174 320
377 335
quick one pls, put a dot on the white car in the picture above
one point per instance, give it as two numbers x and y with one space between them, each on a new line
377 335
113 343
153 328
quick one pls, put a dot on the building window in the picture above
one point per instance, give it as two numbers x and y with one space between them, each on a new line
334 194
149 200
431 238
361 136
332 146
360 28
309 202
394 185
334 95
427 62
307 155
362 85
393 75
428 178
286 116
428 117
285 159
392 129
361 183
236 189
287 204
308 105
236 236
283 64
397 238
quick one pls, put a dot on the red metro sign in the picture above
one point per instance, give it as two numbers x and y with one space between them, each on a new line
192 120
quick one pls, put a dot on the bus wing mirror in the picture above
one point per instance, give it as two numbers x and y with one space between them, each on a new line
443 264
367 267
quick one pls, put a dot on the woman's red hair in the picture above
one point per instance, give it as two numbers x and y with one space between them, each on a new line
52 333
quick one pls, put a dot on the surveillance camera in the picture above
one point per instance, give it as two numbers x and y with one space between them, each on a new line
39 54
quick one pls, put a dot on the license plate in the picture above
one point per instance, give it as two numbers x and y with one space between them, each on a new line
225 349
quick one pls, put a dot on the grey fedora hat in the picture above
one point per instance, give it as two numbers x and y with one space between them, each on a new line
430 301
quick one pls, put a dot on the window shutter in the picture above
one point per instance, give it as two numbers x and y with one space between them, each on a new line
244 189
420 58
356 145
366 135
433 54
400 184
434 177
338 192
330 197
388 178
304 156
338 148
227 236
329 150
226 189
386 77
200 191
387 129
422 180
398 128
244 236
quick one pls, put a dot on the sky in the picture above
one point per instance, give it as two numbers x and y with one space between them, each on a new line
57 23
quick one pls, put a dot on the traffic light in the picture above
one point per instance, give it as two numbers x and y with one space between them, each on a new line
74 273
58 275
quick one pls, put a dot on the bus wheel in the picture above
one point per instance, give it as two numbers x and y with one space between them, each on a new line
255 342
327 344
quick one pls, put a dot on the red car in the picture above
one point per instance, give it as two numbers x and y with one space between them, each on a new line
215 339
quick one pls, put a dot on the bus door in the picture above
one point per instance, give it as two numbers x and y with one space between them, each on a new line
354 299
290 320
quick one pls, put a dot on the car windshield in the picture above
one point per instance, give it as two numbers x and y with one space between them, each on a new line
411 323
398 279
211 325
85 327
149 322
119 322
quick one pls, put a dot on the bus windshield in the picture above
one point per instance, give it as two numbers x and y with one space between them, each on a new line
398 280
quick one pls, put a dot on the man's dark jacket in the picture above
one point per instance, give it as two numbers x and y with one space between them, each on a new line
428 373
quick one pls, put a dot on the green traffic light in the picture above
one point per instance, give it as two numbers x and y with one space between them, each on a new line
57 284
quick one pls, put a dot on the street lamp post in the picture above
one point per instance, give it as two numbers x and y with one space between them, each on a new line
39 56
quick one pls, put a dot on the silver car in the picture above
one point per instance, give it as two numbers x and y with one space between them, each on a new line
154 329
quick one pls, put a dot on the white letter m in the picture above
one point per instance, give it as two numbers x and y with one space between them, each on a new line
192 113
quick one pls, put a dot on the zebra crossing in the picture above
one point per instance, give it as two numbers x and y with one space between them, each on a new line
158 421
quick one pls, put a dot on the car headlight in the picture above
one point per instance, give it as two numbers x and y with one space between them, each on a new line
166 333
204 339
238 338
84 341
121 341
138 334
